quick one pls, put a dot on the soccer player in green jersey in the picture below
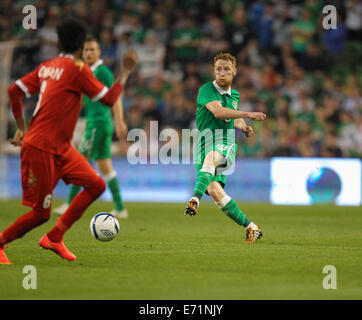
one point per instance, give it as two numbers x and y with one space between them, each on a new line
217 115
96 141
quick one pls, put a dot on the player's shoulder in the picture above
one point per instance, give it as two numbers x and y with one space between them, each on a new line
104 68
235 93
47 66
104 71
207 87
104 75
72 62
46 62
79 64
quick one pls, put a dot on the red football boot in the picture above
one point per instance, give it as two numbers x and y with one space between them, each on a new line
58 247
3 258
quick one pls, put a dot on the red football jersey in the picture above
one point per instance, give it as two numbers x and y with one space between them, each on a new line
60 82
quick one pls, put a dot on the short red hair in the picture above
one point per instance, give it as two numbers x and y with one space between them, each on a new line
226 56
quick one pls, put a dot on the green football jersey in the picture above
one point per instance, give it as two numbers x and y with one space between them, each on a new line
97 111
221 131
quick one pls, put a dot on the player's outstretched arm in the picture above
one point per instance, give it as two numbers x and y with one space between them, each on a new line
120 125
225 113
129 61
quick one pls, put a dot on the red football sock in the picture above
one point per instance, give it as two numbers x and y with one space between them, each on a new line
22 225
76 209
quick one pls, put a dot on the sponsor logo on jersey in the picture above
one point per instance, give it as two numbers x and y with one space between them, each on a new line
235 105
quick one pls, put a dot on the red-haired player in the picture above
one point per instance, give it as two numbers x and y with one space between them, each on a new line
46 151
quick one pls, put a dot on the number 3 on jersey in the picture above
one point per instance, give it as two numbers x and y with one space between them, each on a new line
41 91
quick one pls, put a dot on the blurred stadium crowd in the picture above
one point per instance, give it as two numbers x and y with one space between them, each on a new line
307 79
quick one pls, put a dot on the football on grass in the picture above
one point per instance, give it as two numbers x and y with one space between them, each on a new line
104 226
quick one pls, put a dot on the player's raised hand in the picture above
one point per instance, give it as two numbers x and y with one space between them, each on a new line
257 116
18 138
129 60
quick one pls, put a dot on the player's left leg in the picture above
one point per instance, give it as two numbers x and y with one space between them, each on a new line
204 177
226 204
38 179
53 240
85 148
110 176
74 190
20 227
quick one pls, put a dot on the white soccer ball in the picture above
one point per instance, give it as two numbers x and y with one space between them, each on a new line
104 226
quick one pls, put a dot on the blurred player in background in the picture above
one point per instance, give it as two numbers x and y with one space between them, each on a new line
46 151
217 115
96 141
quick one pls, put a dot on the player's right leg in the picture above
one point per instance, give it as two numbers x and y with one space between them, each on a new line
86 145
205 176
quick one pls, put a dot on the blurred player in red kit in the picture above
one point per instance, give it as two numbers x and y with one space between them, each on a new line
46 151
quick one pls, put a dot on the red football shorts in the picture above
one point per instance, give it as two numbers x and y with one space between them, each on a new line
41 171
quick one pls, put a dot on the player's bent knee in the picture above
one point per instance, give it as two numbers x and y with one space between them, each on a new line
212 192
214 158
97 188
216 192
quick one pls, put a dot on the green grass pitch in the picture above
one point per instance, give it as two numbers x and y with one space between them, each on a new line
162 254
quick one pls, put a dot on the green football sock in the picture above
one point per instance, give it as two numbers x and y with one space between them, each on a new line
232 210
203 180
74 190
113 186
